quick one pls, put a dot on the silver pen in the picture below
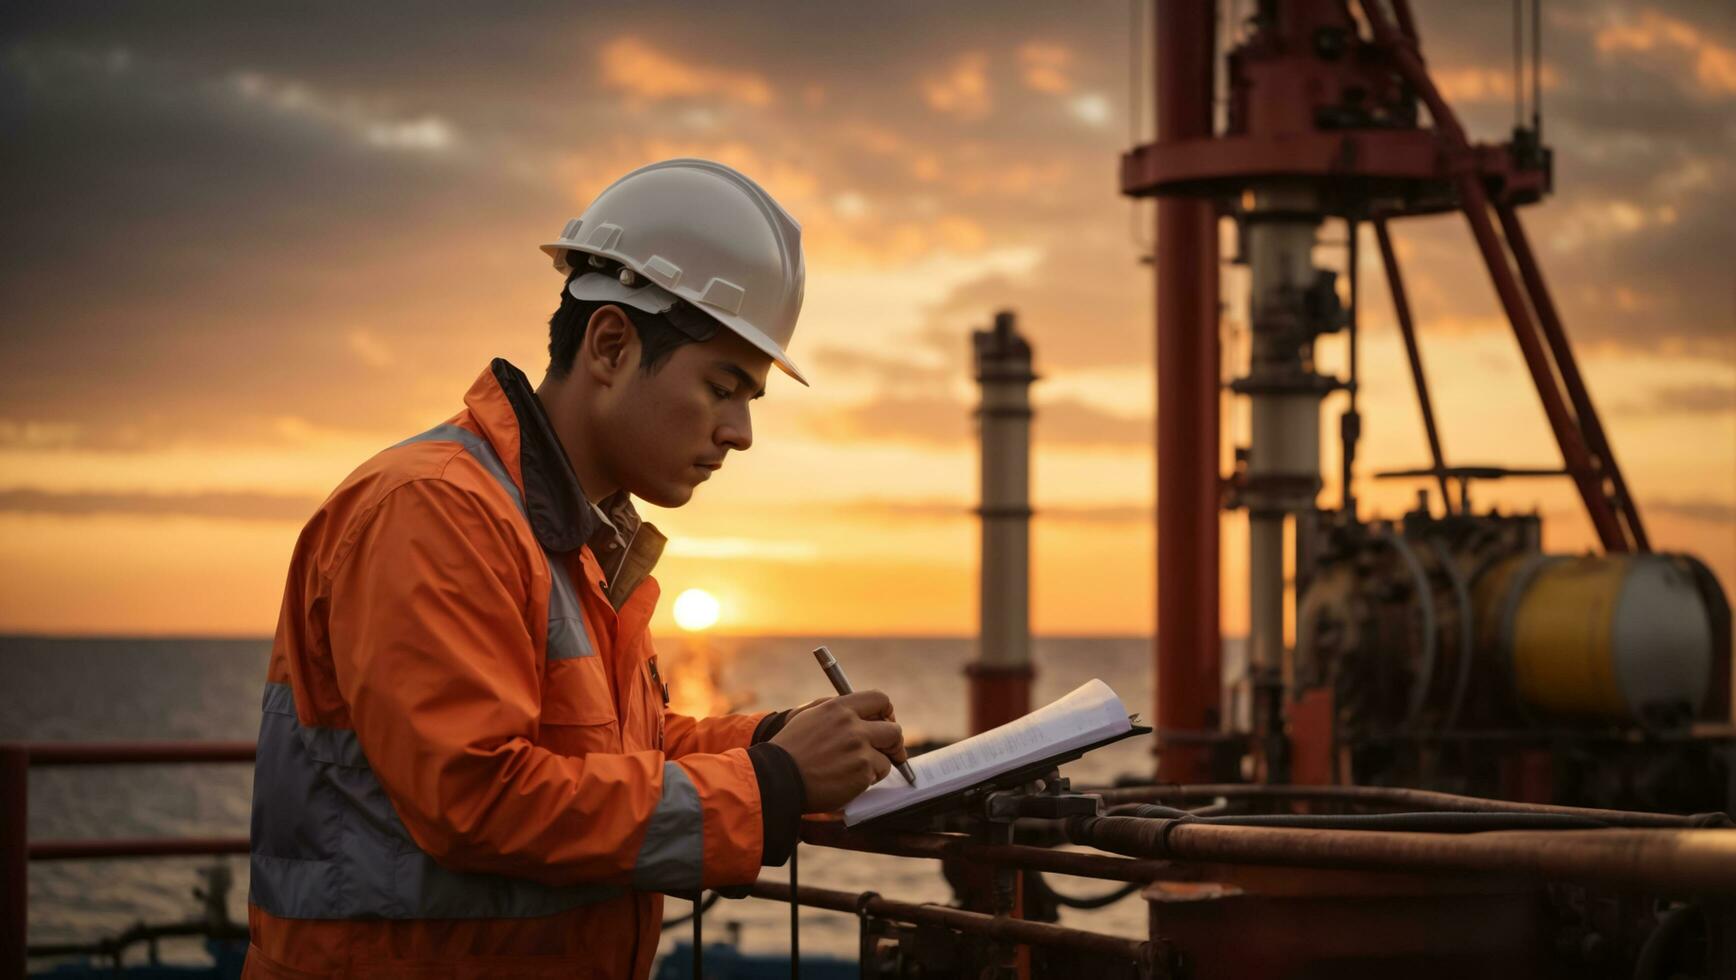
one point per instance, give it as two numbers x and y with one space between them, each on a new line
841 684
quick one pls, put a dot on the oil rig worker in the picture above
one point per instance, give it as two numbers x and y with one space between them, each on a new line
467 766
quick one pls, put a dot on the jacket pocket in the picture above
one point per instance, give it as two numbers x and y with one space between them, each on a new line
578 708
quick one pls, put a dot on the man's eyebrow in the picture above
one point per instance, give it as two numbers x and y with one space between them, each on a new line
742 376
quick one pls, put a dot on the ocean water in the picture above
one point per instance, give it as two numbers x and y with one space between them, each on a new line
69 689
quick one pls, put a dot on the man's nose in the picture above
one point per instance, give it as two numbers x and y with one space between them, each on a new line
736 432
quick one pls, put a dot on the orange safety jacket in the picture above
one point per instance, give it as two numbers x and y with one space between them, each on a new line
466 767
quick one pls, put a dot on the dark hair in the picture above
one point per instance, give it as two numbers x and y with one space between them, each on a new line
659 333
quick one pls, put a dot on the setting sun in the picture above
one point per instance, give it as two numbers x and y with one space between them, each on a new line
695 610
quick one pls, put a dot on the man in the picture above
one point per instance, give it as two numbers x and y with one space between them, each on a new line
466 762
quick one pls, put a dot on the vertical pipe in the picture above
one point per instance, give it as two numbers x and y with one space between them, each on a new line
1187 655
1350 423
1283 474
1537 70
1518 63
1000 679
14 858
1401 309
1568 365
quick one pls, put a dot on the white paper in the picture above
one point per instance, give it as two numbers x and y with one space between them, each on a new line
1091 713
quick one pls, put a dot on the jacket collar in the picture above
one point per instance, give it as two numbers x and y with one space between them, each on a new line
626 548
560 516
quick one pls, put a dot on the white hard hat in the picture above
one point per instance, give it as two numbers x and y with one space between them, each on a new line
701 232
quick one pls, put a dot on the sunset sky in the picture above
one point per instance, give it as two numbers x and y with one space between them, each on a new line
247 249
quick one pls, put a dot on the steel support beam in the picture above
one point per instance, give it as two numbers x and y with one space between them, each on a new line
1188 654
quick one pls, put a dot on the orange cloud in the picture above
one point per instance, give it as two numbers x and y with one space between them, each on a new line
635 67
1045 67
1654 33
1477 84
963 90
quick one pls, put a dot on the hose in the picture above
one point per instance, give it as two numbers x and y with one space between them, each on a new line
1427 823
1664 942
1040 883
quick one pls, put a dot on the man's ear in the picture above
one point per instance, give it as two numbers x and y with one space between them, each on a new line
611 345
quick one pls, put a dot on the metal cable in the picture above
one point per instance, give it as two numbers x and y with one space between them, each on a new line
684 917
1085 903
795 908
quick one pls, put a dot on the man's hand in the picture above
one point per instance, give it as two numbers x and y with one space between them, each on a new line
842 746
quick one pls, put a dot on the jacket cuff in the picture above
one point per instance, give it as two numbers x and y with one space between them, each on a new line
782 798
770 725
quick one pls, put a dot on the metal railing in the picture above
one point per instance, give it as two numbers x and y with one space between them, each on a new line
17 850
1656 853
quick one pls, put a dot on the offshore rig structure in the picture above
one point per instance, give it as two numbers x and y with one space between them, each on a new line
1442 663
1476 758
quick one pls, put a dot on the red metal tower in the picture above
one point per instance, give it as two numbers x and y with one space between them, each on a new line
1322 122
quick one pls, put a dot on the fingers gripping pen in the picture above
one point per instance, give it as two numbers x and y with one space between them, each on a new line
841 684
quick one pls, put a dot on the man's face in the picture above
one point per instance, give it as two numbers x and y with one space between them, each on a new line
669 430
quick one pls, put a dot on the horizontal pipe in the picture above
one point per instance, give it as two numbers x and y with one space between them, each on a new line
961 848
1668 861
1409 799
134 753
972 923
137 934
135 847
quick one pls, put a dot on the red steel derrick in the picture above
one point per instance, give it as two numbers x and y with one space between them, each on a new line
1322 118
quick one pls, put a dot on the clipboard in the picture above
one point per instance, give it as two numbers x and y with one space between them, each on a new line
916 815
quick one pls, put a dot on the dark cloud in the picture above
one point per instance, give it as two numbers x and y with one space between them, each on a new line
941 421
1132 512
1702 399
225 214
1709 511
232 505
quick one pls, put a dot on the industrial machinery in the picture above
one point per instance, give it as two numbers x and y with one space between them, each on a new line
1442 649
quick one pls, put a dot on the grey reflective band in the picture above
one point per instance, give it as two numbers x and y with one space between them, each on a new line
566 629
672 856
327 843
567 636
478 448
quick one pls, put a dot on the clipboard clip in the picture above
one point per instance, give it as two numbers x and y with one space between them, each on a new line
1049 797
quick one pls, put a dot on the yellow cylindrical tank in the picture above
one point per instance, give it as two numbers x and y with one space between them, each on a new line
1617 638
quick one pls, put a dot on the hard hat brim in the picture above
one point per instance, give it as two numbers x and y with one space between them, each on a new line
652 298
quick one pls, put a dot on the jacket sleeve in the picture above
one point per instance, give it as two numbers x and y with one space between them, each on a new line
441 675
684 736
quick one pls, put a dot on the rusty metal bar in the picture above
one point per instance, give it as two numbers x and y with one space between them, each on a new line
14 877
1667 861
1406 22
135 847
1474 202
972 923
16 851
959 847
136 753
1406 799
1187 655
1550 320
1401 309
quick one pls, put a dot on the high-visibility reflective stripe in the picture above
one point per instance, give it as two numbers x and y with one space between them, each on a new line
566 630
327 843
672 855
478 448
567 636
